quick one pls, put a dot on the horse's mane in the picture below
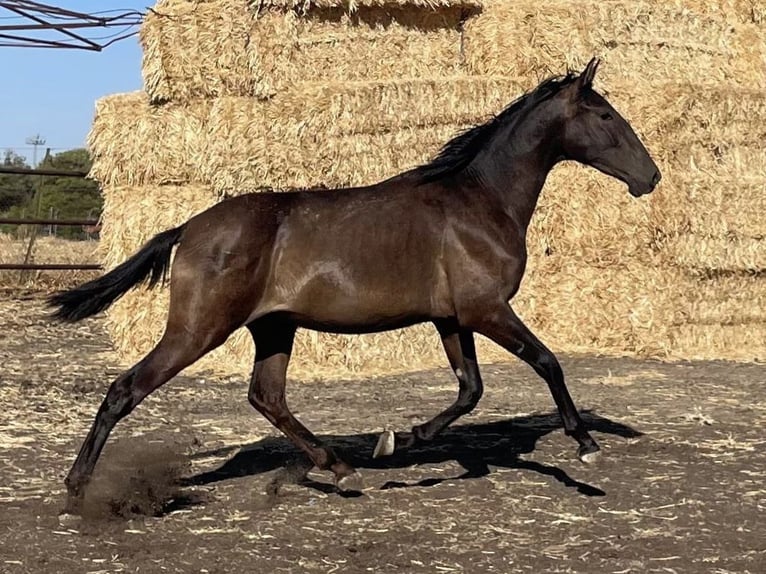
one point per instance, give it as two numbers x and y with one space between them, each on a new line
460 151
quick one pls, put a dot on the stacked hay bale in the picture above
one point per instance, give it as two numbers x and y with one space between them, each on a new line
294 93
245 96
685 270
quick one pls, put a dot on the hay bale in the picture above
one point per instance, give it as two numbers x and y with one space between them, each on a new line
658 277
293 140
643 42
710 207
711 255
590 218
719 194
723 300
240 140
714 342
622 309
721 317
240 48
133 143
342 134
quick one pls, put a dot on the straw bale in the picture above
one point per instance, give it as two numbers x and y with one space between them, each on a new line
232 142
352 5
624 309
337 162
133 143
720 317
590 218
723 300
136 143
688 114
343 134
368 107
644 42
199 50
715 191
709 206
716 254
224 47
710 342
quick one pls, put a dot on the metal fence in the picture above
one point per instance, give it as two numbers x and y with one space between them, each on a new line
35 224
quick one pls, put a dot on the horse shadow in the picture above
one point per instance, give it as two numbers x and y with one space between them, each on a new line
475 447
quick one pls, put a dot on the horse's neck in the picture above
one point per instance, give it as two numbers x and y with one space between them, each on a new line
516 175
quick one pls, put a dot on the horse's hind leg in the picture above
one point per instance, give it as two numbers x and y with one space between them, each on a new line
186 339
459 346
273 345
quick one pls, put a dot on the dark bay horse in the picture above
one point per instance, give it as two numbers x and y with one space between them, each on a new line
444 242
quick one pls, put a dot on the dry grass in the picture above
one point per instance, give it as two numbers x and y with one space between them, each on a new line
46 250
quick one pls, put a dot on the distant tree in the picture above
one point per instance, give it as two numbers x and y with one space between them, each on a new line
69 197
15 190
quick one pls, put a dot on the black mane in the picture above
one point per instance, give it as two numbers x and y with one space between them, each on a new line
457 153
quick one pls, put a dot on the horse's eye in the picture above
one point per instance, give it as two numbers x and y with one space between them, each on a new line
606 116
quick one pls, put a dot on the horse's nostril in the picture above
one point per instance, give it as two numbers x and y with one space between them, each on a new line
656 179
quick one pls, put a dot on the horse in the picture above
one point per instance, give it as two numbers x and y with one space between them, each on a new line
444 242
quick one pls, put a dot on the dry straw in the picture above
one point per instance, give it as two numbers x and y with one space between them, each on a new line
136 143
678 274
705 255
721 317
241 48
643 42
133 143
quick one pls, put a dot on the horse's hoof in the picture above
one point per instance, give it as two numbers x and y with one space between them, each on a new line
386 445
350 483
72 506
590 457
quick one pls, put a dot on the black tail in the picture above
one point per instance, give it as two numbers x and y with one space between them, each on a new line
90 298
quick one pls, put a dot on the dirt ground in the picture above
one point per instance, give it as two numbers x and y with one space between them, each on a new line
183 482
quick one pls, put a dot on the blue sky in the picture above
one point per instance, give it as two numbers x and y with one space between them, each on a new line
52 92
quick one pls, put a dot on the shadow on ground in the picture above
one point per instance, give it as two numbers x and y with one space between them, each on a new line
476 447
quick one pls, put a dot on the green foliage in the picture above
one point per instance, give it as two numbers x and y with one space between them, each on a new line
62 197
15 190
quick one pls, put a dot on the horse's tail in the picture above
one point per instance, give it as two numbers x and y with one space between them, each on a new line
151 261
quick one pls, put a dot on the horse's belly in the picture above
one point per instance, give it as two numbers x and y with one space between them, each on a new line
339 300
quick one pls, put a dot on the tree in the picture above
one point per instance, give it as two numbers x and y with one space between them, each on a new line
15 190
69 197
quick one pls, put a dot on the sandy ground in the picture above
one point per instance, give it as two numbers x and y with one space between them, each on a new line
183 482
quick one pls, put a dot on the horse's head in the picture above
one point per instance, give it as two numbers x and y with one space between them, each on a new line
595 134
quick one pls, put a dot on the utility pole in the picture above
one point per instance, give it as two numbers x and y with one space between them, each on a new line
35 141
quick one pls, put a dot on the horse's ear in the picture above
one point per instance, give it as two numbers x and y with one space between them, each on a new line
586 78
